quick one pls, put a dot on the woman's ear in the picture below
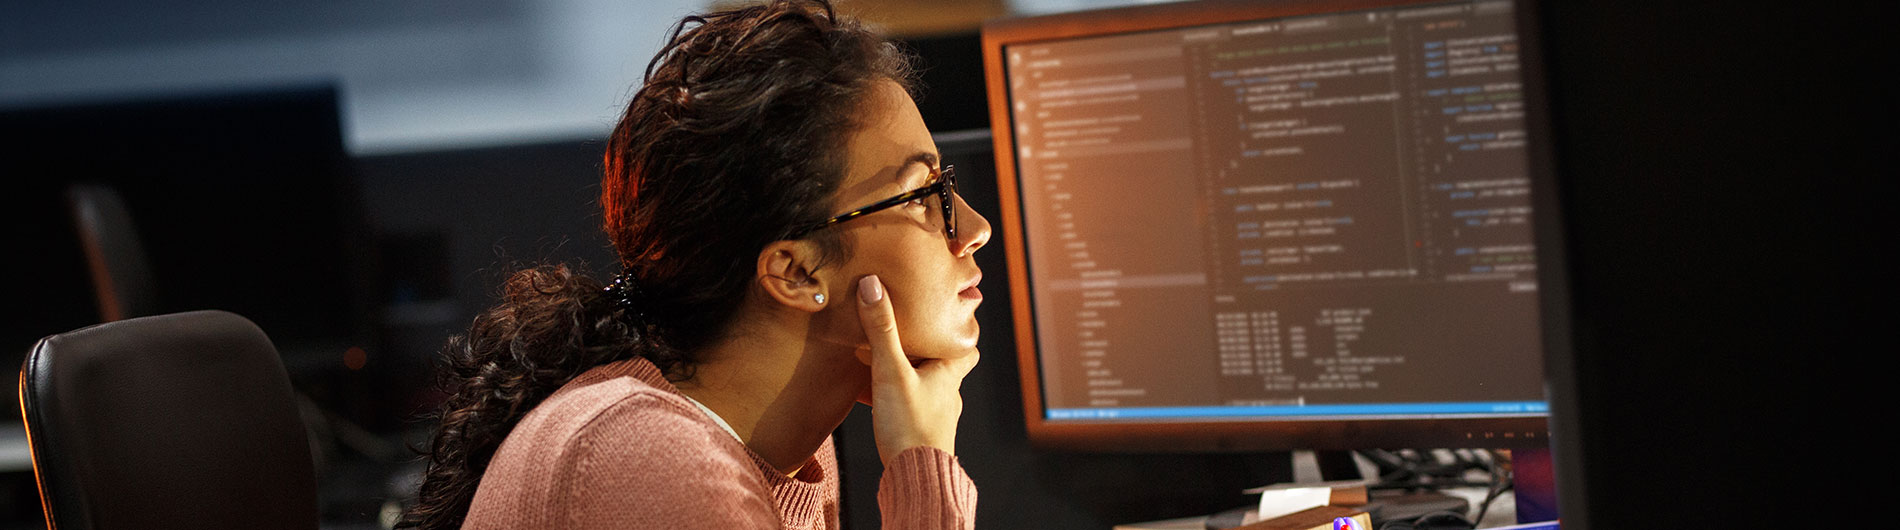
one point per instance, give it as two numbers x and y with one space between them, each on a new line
787 274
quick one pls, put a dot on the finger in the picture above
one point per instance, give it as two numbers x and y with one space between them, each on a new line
880 330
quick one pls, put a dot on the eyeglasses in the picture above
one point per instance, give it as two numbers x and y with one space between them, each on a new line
944 187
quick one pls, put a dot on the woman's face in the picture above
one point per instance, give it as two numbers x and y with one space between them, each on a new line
931 281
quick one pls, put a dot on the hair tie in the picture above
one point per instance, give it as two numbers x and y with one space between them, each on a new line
627 296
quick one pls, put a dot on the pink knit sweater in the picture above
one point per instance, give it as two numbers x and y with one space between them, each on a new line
620 447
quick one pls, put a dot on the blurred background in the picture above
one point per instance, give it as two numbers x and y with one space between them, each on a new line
357 177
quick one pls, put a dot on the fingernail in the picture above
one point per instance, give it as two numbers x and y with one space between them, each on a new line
869 290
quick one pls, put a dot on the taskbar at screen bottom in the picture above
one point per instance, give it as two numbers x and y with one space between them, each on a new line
1306 411
1516 424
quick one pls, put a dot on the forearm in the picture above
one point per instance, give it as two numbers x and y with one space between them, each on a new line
926 488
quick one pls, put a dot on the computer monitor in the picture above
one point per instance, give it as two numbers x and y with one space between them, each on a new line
1271 225
243 200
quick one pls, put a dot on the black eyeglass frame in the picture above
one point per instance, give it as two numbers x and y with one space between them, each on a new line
945 189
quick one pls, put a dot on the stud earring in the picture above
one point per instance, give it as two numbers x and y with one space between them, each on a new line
820 297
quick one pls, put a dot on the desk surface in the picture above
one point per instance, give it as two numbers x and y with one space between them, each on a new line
1503 513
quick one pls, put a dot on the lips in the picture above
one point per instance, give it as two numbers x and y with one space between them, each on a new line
969 290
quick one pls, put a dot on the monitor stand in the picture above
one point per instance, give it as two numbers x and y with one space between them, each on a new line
1334 465
1313 467
1409 506
1387 505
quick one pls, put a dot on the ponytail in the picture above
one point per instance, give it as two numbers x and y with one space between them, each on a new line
551 326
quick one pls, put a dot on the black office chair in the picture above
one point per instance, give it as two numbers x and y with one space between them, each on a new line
183 420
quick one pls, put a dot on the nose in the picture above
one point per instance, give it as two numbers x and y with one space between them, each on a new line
973 231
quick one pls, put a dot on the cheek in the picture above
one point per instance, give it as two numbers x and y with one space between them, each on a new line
924 316
907 267
918 271
937 326
918 310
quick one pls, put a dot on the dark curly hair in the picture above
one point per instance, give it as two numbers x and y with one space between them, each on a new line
735 140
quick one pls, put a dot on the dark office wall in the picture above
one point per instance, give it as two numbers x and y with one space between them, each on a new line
950 86
1724 173
497 208
451 226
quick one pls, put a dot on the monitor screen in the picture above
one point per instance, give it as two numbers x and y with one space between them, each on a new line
1235 225
241 200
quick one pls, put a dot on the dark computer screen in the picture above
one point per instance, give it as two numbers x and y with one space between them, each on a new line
1319 217
242 200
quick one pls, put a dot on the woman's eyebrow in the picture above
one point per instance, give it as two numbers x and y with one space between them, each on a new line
926 158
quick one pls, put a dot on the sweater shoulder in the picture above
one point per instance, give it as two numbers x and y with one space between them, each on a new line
624 417
616 451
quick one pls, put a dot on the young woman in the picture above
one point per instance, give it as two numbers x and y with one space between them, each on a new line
790 247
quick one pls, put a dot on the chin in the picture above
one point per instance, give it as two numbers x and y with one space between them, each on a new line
966 341
952 337
966 351
952 347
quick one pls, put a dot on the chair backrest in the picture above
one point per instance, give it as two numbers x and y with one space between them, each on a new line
114 256
183 420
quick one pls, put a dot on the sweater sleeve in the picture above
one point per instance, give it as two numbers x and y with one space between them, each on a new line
641 465
925 488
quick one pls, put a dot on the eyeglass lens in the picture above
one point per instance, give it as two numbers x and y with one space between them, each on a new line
947 198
